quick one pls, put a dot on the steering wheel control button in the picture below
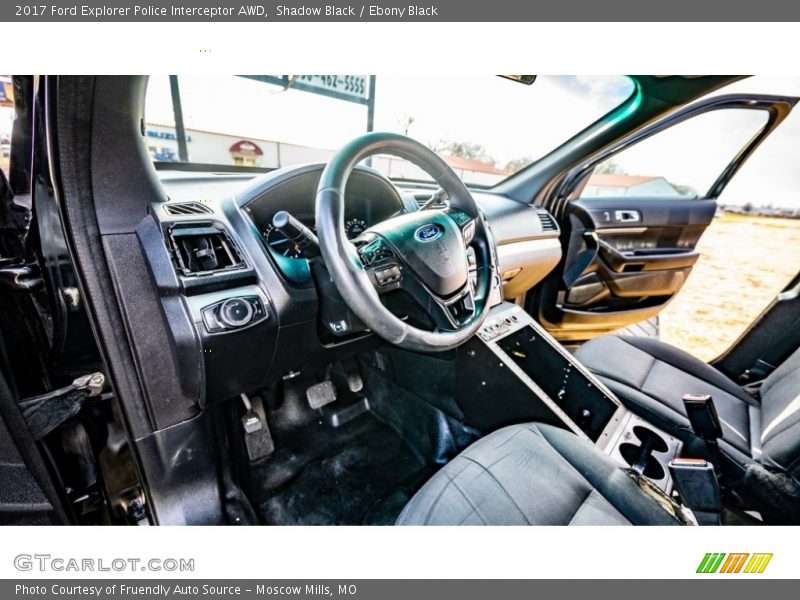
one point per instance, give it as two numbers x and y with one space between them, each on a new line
375 252
233 313
459 216
469 232
388 276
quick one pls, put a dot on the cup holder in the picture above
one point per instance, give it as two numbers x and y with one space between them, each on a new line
646 449
641 456
649 437
631 454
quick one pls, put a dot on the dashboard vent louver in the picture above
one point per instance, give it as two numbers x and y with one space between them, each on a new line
202 249
186 208
422 200
548 222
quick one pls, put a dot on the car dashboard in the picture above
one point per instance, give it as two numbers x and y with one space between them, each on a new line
253 309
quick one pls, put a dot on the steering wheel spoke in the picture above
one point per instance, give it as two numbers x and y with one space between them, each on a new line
386 277
448 314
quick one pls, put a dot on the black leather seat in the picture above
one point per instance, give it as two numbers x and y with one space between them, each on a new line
651 377
534 474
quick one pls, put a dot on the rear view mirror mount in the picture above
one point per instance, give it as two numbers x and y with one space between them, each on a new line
526 79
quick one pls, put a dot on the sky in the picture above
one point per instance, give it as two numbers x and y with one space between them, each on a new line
772 174
695 152
509 119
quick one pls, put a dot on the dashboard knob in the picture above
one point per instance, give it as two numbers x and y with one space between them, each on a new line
236 312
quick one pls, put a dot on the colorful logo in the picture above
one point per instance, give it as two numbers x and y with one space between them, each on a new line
743 562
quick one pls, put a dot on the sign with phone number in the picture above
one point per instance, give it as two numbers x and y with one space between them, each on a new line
355 86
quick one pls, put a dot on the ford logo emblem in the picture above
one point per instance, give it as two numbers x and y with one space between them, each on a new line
428 233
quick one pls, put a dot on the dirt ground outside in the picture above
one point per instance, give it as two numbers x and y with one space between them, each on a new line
745 261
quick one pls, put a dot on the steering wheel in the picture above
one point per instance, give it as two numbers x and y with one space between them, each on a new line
423 253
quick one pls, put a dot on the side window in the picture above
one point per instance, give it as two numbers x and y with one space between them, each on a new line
6 121
683 161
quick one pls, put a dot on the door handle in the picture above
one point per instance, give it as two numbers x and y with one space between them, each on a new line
627 216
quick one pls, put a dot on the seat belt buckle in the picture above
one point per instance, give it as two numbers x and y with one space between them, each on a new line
697 485
703 416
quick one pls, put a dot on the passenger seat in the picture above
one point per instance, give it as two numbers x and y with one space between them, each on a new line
651 378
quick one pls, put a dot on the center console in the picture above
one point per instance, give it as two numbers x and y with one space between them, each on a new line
548 384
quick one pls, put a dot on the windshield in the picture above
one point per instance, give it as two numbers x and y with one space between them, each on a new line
486 127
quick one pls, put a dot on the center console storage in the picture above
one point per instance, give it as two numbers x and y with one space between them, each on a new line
548 384
572 392
644 448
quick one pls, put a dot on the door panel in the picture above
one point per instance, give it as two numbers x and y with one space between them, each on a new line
629 241
633 257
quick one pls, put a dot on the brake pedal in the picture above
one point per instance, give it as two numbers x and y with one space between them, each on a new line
321 394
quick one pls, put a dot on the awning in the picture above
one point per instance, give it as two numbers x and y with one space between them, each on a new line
246 147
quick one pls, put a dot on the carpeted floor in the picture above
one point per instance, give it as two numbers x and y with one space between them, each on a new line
359 473
365 471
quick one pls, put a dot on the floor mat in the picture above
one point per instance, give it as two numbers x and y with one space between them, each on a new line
359 473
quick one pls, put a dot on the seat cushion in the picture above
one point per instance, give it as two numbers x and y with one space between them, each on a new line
533 474
780 417
651 378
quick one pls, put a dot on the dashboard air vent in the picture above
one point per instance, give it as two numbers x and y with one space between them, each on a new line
423 199
186 208
203 249
547 220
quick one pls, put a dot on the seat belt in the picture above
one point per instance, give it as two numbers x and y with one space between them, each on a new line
698 482
779 350
590 240
28 450
45 412
583 260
